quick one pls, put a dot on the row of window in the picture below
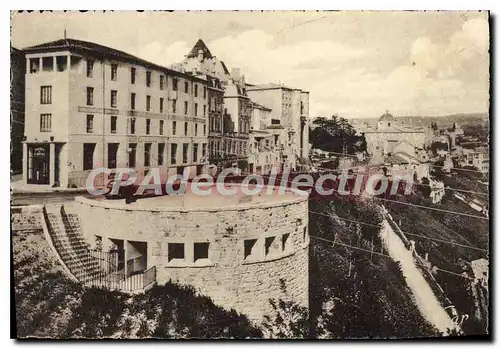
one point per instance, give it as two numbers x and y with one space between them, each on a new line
270 247
46 125
228 146
177 251
46 98
131 126
89 152
162 81
133 102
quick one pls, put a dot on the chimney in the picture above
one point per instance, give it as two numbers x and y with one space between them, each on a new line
214 62
236 73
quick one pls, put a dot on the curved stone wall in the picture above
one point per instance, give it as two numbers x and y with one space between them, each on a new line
239 255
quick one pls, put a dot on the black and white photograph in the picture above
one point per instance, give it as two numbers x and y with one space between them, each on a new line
317 175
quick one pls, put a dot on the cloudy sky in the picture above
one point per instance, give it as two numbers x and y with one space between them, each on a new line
355 64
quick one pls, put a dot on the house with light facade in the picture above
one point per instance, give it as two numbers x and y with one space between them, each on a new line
89 106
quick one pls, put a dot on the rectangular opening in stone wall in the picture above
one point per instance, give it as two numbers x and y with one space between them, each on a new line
249 246
201 250
304 235
269 244
284 241
175 251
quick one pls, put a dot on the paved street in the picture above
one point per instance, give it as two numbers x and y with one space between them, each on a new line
44 198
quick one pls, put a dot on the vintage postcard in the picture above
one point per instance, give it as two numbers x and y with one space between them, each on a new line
281 174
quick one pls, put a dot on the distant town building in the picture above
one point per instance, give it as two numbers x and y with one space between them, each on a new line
480 270
389 133
477 157
90 106
437 191
406 165
17 91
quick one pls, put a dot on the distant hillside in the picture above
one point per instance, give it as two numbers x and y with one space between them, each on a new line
421 121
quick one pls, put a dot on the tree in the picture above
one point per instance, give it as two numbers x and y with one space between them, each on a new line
435 146
335 133
288 320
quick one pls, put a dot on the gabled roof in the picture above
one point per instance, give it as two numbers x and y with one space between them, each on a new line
97 50
259 106
402 158
200 45
226 71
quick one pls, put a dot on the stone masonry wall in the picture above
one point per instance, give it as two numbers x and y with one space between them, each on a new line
227 276
26 218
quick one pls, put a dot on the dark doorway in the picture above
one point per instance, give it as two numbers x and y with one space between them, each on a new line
117 247
137 257
57 164
112 153
199 169
38 164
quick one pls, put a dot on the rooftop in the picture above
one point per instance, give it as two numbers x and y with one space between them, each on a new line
97 50
271 86
192 202
387 117
199 47
259 106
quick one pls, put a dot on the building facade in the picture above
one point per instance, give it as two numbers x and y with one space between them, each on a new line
90 106
230 125
266 143
289 109
17 90
389 133
478 157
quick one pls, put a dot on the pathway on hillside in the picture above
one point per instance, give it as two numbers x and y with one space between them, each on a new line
424 296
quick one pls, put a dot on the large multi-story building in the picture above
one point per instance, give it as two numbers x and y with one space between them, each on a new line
91 106
289 110
265 143
230 124
17 72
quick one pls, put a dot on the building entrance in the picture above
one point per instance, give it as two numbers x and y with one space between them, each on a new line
38 164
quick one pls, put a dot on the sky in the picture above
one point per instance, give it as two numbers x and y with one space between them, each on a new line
355 64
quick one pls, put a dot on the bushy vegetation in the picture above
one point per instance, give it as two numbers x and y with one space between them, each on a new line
49 305
335 133
358 295
453 228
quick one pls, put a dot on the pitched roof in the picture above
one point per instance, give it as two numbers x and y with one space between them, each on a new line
226 71
259 106
200 45
97 50
402 158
